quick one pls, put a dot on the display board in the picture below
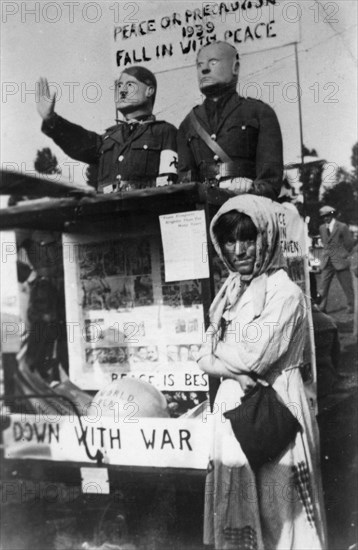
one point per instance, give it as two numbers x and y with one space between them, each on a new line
125 319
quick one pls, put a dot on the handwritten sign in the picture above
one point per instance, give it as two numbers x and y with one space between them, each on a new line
170 36
294 243
184 246
151 442
178 378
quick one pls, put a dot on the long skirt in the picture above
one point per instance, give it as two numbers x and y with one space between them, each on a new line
280 506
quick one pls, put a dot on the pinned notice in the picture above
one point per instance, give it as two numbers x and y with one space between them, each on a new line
184 245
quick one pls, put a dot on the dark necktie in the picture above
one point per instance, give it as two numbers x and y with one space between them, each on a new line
214 109
328 230
128 129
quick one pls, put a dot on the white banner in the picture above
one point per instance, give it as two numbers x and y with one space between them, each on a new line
167 35
294 243
128 441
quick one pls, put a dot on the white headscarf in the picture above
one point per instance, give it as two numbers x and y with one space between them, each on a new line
269 257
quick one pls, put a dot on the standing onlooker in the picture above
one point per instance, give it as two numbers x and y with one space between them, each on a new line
276 505
337 245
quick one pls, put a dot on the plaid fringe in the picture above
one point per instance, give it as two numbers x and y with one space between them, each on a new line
301 478
245 538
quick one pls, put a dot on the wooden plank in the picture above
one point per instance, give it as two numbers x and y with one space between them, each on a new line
63 214
37 185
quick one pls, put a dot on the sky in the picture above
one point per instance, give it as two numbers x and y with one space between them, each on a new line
73 47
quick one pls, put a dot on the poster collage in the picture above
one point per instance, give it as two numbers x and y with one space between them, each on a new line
135 323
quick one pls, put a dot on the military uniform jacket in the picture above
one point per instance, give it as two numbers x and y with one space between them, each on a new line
135 158
336 246
248 132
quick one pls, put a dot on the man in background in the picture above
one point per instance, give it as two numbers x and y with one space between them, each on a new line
337 245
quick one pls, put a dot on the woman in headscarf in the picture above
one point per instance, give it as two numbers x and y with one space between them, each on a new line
258 323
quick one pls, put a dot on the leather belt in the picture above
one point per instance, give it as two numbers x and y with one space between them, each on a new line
224 170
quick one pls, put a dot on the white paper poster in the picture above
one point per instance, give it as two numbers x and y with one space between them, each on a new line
95 480
184 245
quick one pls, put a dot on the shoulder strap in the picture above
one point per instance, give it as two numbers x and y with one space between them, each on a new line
207 139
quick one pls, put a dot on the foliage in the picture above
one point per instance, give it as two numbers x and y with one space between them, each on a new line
46 162
311 179
354 161
342 197
92 175
311 175
343 175
309 153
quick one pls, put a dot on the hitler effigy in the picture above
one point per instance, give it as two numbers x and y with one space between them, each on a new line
136 153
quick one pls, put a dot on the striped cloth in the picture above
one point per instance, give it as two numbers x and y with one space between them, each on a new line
301 479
